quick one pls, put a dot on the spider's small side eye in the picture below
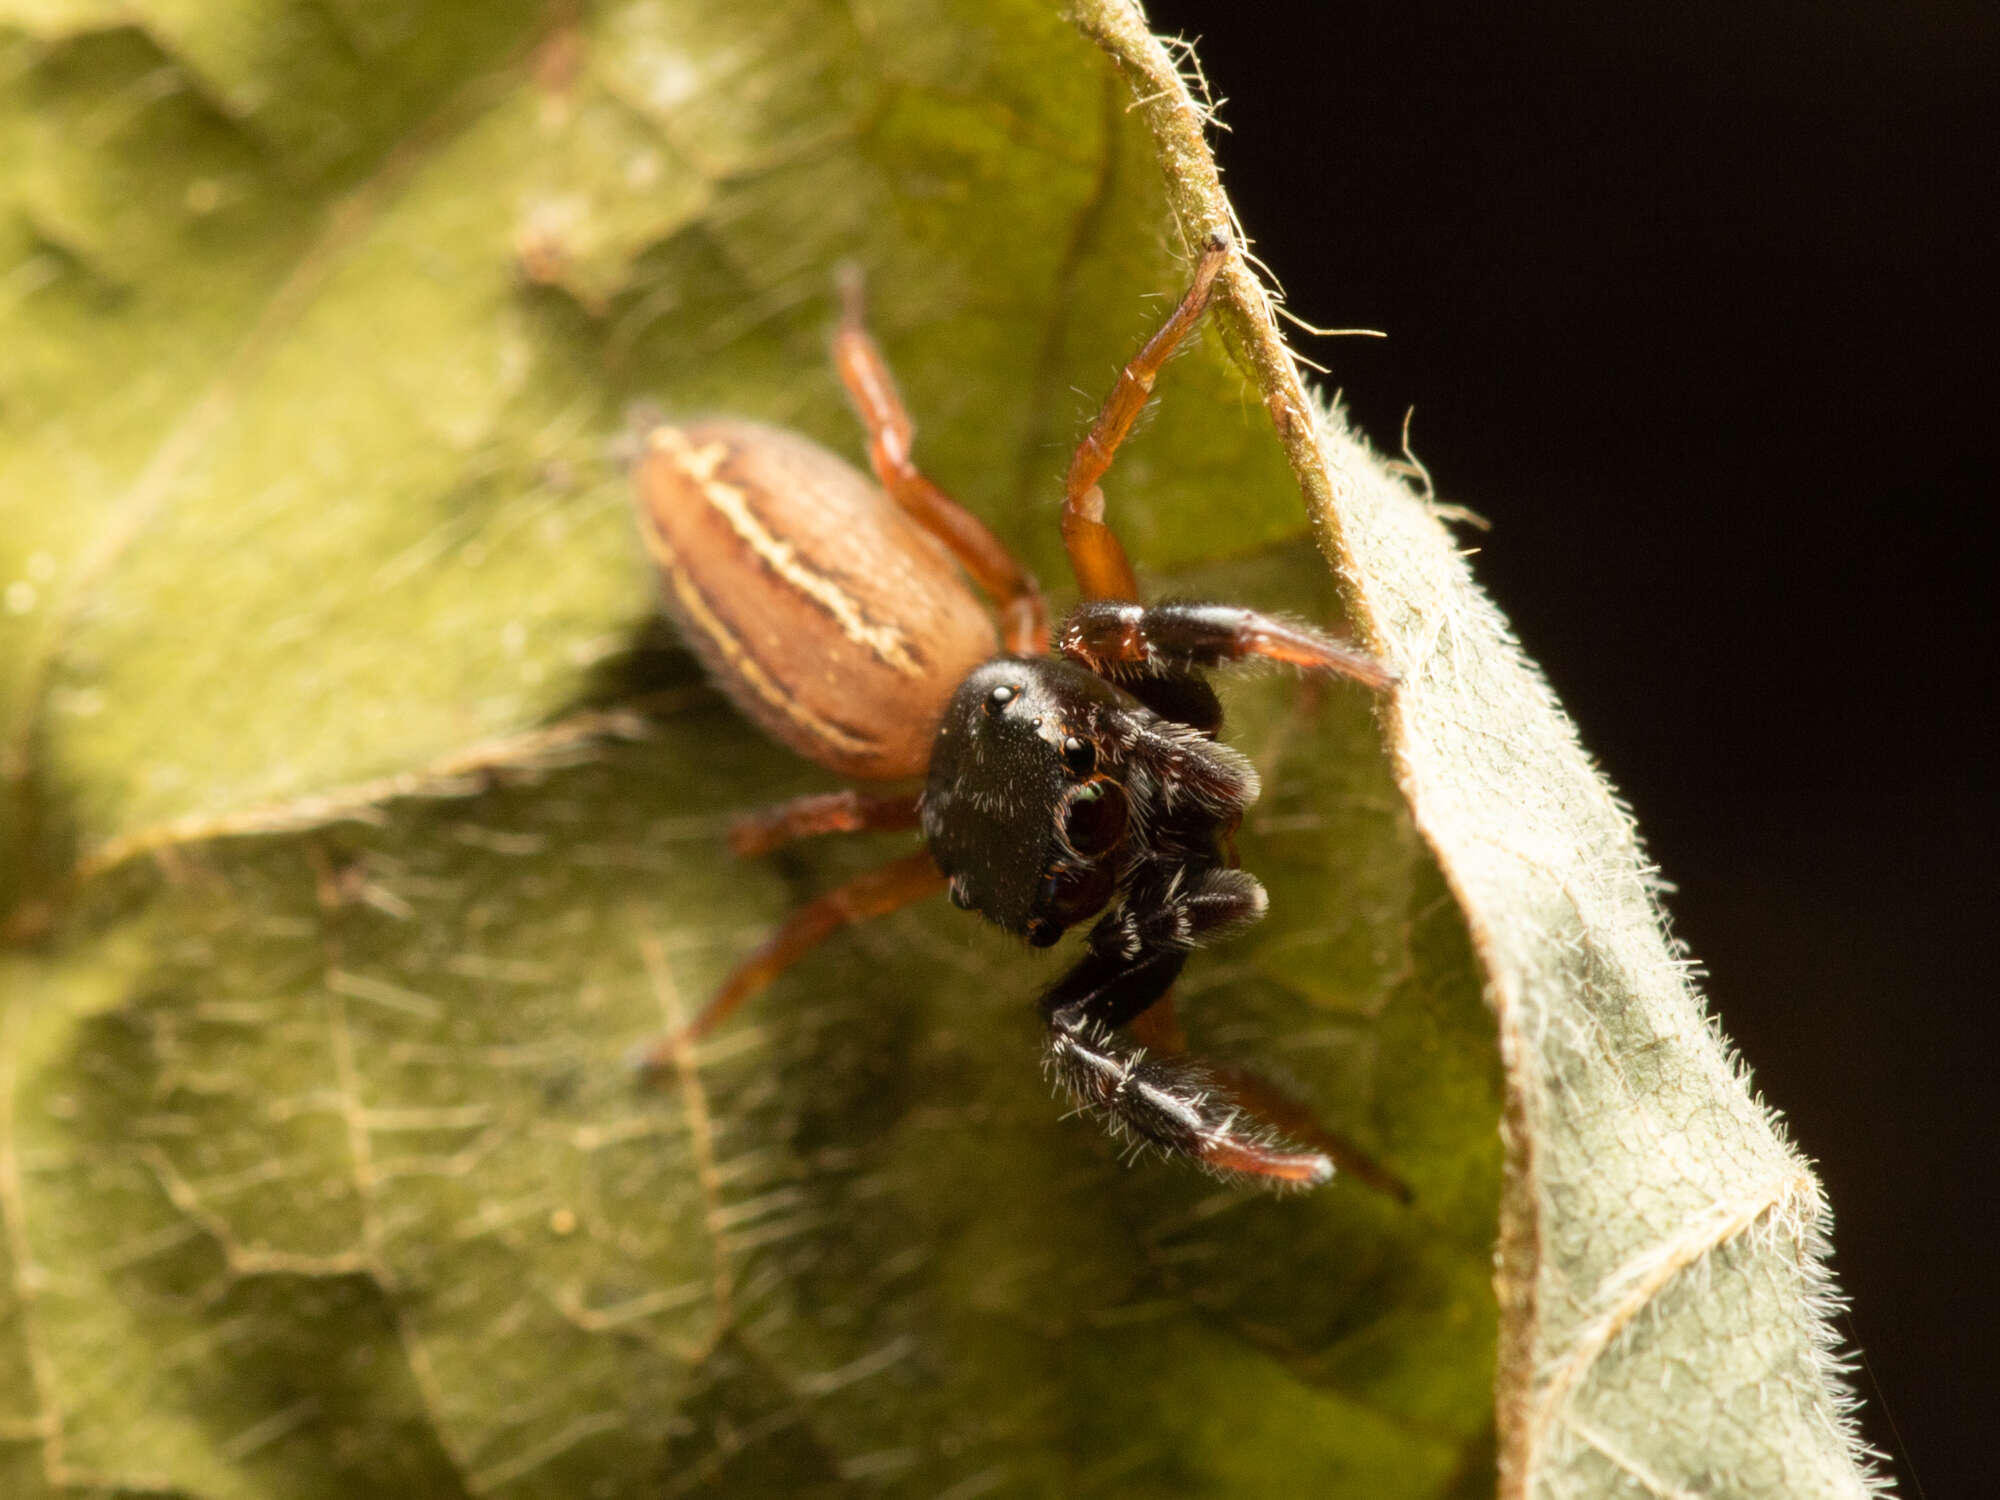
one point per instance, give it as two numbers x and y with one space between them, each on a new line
1079 755
1000 697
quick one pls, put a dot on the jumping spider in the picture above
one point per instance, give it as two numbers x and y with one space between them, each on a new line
1059 786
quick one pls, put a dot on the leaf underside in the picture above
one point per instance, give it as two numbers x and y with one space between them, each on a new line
359 820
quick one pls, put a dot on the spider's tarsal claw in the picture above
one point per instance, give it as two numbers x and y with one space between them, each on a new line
1287 1168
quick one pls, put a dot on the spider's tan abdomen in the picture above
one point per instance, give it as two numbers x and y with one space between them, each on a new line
833 620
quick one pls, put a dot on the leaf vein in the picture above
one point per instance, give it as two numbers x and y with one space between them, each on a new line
1793 1198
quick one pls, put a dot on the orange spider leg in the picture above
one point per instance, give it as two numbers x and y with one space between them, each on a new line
890 888
1103 571
847 811
1024 616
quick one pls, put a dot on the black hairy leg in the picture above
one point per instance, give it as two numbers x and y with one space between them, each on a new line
1159 1031
1138 948
1115 638
1173 1103
1173 916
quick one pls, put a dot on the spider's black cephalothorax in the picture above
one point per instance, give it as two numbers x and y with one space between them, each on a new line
1051 788
1076 778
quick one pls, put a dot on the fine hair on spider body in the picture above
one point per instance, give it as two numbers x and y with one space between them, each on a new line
1069 776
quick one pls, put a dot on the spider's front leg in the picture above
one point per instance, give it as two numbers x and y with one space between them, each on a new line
1114 638
1171 1102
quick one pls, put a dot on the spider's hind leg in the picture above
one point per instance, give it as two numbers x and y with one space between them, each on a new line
1163 1100
1024 615
876 893
847 811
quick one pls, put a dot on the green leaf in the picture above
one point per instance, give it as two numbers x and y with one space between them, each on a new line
359 822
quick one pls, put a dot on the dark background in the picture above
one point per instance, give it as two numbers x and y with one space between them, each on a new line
1690 303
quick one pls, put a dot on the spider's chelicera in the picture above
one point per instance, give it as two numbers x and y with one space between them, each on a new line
1072 778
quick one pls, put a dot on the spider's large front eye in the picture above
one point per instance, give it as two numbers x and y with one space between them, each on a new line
1079 755
1093 822
999 698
